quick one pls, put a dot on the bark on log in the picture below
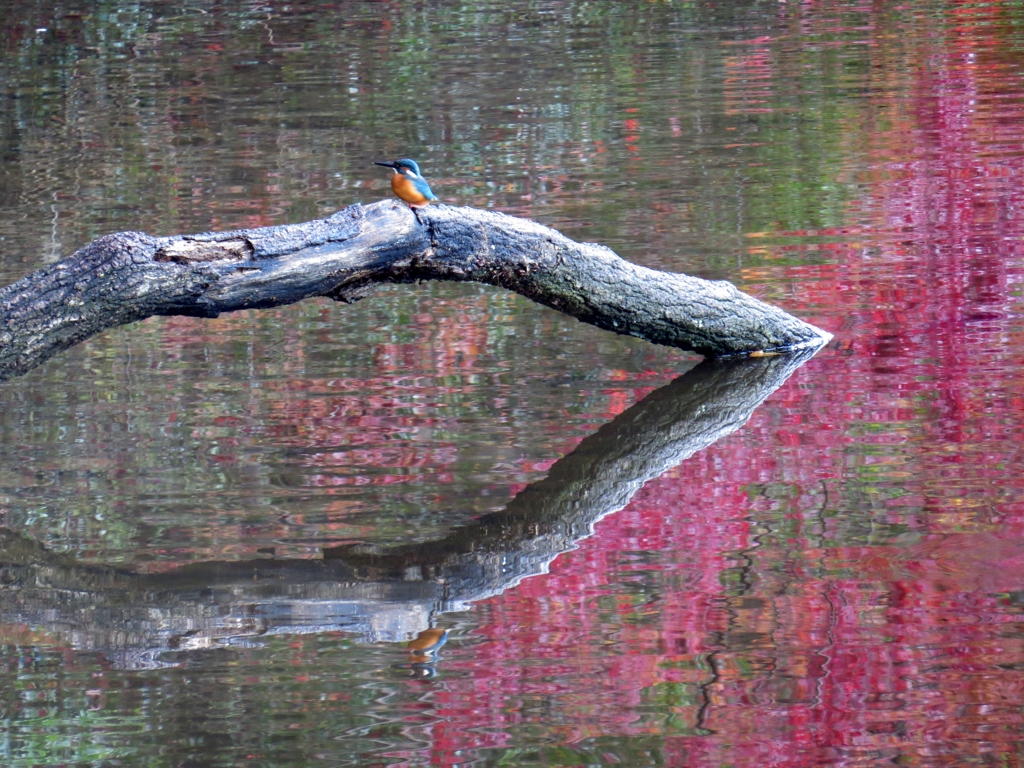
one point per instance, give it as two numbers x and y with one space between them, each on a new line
128 276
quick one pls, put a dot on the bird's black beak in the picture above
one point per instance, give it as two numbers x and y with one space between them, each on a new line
386 163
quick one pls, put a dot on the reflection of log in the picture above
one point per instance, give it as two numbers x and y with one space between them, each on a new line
389 593
129 276
599 477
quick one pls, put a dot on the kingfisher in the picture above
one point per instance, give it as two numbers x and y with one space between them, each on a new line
408 183
427 643
423 653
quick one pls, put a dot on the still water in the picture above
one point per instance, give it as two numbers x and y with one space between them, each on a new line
217 535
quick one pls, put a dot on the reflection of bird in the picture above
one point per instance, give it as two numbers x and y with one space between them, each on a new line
423 653
427 643
408 183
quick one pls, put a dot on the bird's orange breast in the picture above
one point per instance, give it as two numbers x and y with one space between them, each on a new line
428 638
406 190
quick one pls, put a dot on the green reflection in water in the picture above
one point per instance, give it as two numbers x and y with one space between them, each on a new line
648 125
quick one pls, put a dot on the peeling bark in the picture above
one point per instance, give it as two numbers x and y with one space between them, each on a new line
128 276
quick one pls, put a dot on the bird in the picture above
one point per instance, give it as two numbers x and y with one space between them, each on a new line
427 643
423 653
408 183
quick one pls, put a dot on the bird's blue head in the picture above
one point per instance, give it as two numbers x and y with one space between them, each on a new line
402 166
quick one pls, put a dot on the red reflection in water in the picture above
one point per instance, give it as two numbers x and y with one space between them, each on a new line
835 584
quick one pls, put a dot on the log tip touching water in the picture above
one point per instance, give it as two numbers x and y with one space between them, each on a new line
128 276
592 283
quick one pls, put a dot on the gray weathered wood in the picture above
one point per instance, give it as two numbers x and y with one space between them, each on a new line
128 276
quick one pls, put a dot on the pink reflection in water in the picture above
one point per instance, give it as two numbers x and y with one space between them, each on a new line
840 582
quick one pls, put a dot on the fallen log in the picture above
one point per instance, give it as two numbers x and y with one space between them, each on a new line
129 276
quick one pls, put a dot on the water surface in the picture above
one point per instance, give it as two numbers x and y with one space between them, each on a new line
838 581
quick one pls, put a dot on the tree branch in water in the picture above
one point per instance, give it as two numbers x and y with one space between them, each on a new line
129 276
